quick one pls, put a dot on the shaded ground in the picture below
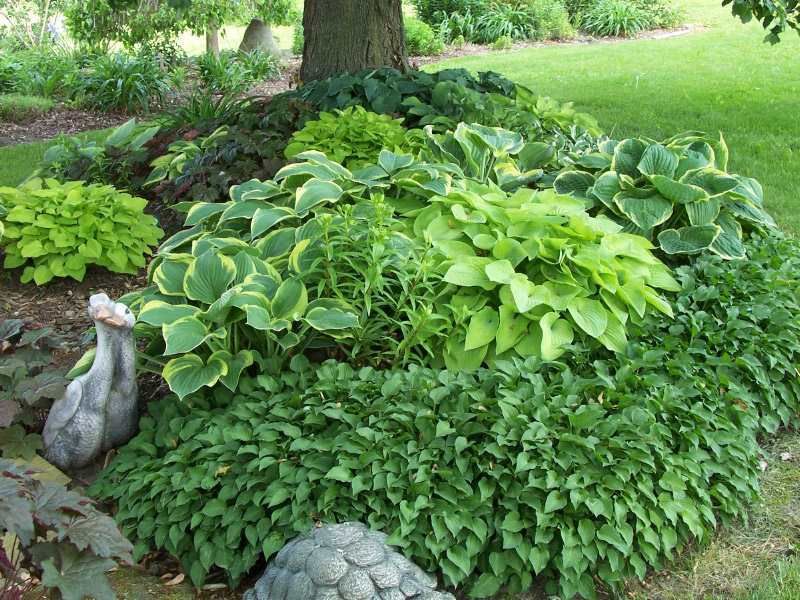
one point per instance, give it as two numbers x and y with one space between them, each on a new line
61 120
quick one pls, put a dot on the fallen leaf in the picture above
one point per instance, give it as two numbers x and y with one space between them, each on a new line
176 580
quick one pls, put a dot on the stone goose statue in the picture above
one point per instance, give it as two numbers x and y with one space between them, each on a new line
98 410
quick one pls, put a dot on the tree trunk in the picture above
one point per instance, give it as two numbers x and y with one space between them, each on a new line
212 41
350 35
259 35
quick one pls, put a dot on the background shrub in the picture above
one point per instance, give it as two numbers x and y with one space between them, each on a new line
421 39
298 40
121 82
56 230
21 109
232 72
496 476
614 18
432 11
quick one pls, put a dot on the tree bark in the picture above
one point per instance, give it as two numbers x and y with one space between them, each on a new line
350 35
259 35
212 41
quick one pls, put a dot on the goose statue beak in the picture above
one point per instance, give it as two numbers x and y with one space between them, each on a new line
104 310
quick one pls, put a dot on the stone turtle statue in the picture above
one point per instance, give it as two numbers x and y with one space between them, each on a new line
347 561
98 410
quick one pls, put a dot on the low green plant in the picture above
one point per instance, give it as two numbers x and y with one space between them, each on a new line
677 192
431 11
10 68
57 536
121 159
663 14
22 109
28 386
504 42
551 19
353 137
121 82
245 140
594 472
453 26
421 40
262 65
505 20
615 18
232 72
57 229
346 282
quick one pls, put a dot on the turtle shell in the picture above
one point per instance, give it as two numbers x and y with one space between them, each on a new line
347 561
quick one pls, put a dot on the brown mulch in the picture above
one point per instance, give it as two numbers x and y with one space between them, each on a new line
62 303
60 120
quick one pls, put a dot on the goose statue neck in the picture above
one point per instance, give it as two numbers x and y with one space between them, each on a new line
98 410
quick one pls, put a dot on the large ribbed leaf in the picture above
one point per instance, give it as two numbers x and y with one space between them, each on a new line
703 212
682 193
208 277
658 160
589 315
644 208
627 156
573 183
688 240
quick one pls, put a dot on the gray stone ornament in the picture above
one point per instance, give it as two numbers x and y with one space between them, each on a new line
343 562
98 410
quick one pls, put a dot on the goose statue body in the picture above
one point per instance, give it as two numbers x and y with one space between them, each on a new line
98 410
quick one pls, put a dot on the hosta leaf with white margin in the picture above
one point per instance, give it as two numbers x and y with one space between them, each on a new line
187 333
645 208
188 373
208 277
678 188
688 240
575 183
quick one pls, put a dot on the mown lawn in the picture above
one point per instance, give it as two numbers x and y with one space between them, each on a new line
721 79
18 162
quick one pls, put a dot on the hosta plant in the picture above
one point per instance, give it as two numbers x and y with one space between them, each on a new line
121 159
534 265
346 283
28 386
58 229
353 136
580 474
60 538
677 192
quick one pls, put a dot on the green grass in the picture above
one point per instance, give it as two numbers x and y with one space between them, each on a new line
18 162
721 79
19 108
749 561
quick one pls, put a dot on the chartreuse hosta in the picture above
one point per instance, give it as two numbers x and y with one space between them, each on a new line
676 192
518 273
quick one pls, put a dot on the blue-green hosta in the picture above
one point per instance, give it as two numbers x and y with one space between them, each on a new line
526 270
676 192
219 308
57 229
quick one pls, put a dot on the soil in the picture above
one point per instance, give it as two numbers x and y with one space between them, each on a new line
61 120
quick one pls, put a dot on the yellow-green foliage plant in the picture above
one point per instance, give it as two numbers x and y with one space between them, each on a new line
57 229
